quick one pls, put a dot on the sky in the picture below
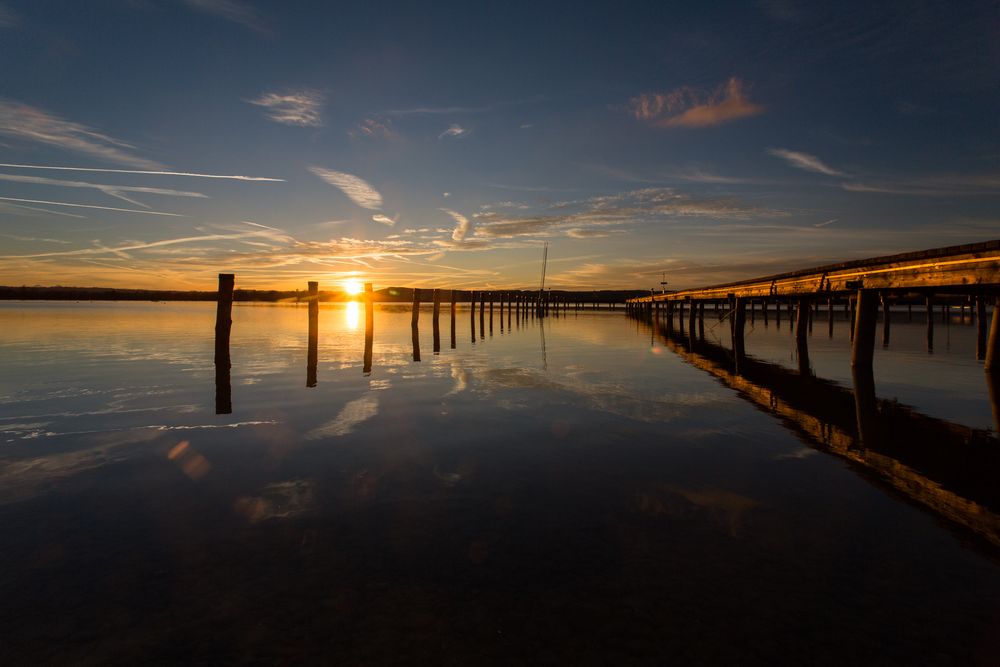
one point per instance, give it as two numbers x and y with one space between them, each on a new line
157 143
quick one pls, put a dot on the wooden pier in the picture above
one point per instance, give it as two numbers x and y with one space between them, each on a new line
971 271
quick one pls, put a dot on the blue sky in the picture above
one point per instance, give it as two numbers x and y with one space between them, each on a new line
442 144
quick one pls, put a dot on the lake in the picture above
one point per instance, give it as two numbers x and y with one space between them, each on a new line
583 489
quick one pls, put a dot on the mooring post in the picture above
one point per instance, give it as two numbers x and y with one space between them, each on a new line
680 317
502 295
491 313
482 315
692 319
930 324
980 327
415 312
829 315
863 348
223 328
885 320
453 299
739 327
369 328
801 341
865 404
992 362
763 310
472 314
312 354
434 321
777 313
701 320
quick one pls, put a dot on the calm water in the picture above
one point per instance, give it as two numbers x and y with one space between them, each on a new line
592 491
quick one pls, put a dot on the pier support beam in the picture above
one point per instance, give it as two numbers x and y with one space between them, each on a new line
801 341
369 328
312 353
434 321
980 327
863 346
739 328
885 320
223 328
453 300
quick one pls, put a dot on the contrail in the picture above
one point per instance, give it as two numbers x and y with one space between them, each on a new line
103 208
136 171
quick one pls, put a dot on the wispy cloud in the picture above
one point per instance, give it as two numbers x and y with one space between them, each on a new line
33 124
110 190
103 208
302 107
436 111
454 130
233 11
8 19
805 161
358 190
693 107
934 185
462 225
384 219
825 223
137 171
33 238
373 128
42 210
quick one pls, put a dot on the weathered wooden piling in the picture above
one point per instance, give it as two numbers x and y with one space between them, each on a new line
312 353
415 311
369 328
863 345
801 327
739 328
992 361
829 316
472 314
692 319
980 327
886 319
482 315
930 325
434 321
491 313
223 328
454 298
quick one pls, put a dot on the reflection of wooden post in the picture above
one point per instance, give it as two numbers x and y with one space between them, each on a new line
434 321
829 315
701 320
863 348
777 313
980 327
992 364
993 388
930 324
312 355
801 342
369 327
454 297
763 310
223 327
502 297
692 319
865 406
415 314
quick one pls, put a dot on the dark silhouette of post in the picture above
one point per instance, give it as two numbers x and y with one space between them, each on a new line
369 328
992 363
313 349
865 404
415 313
885 320
434 321
454 298
482 315
472 314
491 314
829 316
980 327
223 327
801 341
739 316
930 325
863 346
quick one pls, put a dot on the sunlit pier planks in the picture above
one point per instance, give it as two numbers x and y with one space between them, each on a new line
965 275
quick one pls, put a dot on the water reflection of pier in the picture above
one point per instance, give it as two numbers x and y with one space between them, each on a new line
944 467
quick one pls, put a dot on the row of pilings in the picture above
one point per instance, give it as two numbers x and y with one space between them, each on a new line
863 311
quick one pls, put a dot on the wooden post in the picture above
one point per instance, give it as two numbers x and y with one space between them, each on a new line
829 315
502 295
434 321
865 404
930 325
980 327
853 314
312 354
801 342
472 314
701 320
885 321
763 310
992 362
369 328
692 319
739 327
680 318
777 314
453 300
863 348
223 328
415 314
482 315
491 314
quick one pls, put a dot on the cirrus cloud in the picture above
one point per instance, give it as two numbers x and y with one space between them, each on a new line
300 107
695 107
357 189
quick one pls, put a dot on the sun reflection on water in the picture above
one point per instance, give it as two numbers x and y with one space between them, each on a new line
352 314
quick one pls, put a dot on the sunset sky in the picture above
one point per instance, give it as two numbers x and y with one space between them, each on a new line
155 143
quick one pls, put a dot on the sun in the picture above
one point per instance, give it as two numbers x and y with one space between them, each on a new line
353 287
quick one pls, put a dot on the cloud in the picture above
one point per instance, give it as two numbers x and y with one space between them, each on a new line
8 19
359 191
587 233
111 190
33 124
435 111
353 413
825 223
373 128
384 219
136 171
935 185
233 11
300 107
691 107
454 130
462 225
804 161
103 208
